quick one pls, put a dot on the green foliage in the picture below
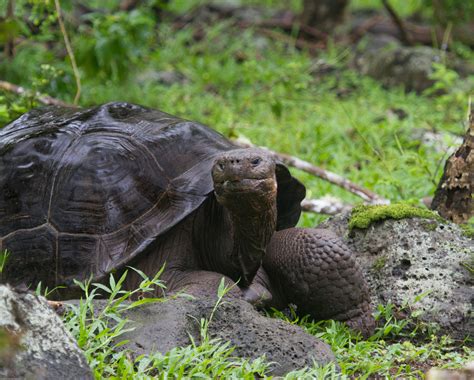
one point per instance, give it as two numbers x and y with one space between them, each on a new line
379 263
404 8
402 341
3 260
12 106
46 292
98 332
454 11
362 216
441 11
221 292
451 91
114 42
468 228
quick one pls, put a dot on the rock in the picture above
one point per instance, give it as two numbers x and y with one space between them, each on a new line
164 326
383 58
34 344
465 373
405 258
441 141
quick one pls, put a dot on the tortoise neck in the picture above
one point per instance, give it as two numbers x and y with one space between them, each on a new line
232 241
251 233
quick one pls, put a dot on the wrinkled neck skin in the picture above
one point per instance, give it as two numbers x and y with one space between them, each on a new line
252 231
234 235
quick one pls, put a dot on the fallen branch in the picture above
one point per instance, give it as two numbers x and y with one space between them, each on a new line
287 25
327 205
308 205
326 175
44 99
359 31
419 34
299 43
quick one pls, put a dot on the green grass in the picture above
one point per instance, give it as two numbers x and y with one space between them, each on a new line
399 347
99 335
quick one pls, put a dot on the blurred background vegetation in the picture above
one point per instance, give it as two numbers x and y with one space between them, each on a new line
253 69
377 91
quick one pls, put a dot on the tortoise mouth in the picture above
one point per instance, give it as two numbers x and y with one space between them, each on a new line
245 185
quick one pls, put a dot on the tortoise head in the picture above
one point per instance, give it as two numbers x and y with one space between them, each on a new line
245 178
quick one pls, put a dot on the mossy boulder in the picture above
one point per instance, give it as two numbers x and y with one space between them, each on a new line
383 58
363 216
404 256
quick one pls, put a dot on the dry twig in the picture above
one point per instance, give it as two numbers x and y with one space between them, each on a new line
299 43
398 22
333 178
70 52
44 99
326 205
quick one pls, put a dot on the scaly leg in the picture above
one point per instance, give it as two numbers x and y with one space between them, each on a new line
316 271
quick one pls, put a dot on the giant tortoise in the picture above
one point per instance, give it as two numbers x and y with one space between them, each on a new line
86 193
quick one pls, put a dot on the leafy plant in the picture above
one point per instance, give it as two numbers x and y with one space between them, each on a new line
452 92
400 344
451 11
98 331
14 105
3 260
114 42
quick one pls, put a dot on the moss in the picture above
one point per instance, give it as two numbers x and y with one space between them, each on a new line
468 230
469 267
379 263
9 344
363 216
430 226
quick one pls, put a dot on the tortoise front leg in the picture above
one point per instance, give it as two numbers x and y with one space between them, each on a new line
316 271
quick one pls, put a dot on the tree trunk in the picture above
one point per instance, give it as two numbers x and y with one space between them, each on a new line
323 15
454 196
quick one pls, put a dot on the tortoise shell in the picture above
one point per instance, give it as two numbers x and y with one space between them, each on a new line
82 192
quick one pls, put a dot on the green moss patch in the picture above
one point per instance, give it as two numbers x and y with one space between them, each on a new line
379 263
363 216
468 228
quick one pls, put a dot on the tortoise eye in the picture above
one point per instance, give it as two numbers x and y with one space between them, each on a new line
256 161
221 165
